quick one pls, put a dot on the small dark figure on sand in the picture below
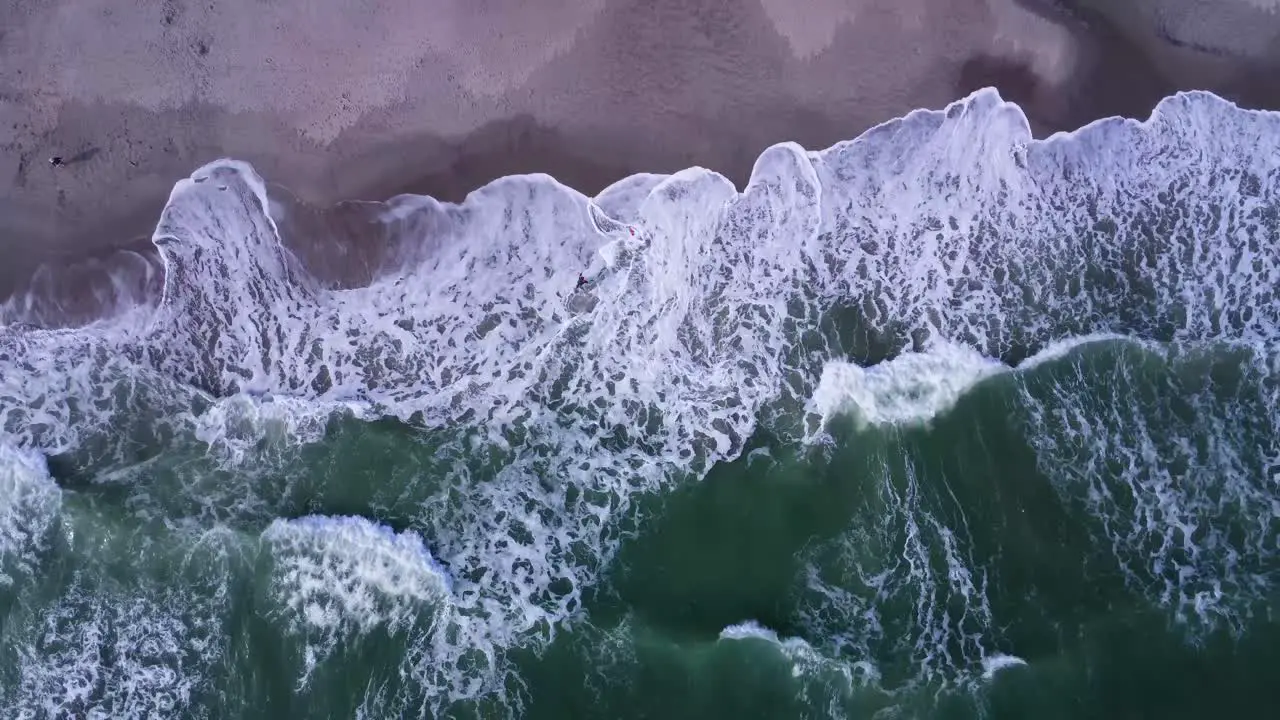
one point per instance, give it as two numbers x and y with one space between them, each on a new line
56 161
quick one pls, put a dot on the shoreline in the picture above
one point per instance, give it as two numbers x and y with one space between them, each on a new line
348 243
722 97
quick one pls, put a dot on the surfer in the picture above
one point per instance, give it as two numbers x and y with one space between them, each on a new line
581 281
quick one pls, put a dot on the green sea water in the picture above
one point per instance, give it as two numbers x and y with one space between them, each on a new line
882 570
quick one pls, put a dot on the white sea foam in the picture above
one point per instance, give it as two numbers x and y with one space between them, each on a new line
242 426
110 657
622 200
348 572
993 664
99 651
338 578
900 554
911 388
916 387
1059 349
29 505
803 658
942 228
1160 446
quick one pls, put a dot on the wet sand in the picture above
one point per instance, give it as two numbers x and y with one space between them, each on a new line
367 100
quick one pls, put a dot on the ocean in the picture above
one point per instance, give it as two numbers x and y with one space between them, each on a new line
940 422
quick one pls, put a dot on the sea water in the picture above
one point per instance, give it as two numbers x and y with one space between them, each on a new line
943 421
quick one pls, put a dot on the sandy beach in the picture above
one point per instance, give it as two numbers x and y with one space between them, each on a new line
369 99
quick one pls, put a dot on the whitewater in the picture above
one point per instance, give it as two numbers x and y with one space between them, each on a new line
880 281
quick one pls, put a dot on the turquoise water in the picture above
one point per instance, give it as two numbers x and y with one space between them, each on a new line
939 423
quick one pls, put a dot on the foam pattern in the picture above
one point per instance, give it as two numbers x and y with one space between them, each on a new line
99 650
710 312
336 579
29 509
1157 448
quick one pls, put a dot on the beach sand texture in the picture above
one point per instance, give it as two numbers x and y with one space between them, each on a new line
370 98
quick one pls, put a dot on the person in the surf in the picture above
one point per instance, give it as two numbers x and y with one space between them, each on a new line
581 281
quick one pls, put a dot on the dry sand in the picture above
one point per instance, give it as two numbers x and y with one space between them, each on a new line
369 98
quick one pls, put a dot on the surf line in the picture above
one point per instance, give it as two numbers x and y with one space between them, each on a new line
583 280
